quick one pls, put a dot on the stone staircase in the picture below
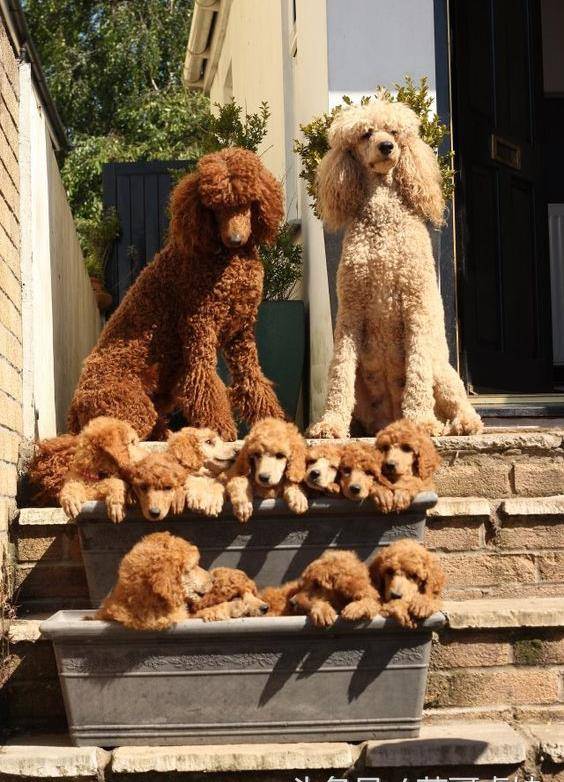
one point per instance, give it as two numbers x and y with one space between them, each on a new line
498 666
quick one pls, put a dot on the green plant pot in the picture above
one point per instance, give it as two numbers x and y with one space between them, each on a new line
281 340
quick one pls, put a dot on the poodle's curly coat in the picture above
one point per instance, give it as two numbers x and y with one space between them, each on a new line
271 463
232 595
48 467
201 293
382 183
409 580
322 468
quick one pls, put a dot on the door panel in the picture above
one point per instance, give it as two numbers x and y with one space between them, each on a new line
504 288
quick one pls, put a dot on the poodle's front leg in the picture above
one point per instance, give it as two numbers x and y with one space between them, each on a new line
296 498
204 495
240 492
72 496
251 392
115 496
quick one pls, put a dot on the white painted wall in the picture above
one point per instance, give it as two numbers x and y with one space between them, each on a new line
375 43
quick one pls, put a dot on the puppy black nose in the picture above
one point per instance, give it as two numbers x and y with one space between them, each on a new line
354 488
154 513
391 464
385 147
264 477
314 474
263 609
395 595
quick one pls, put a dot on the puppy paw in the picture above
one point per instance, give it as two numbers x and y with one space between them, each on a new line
400 613
212 614
243 510
115 511
360 609
71 506
323 615
178 501
402 499
383 498
298 503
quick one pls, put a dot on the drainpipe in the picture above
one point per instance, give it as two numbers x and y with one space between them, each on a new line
198 48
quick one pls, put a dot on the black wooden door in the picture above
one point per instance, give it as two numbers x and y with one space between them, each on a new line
140 193
504 280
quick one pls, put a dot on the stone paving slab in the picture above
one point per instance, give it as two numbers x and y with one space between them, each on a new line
550 739
460 507
27 760
505 612
534 506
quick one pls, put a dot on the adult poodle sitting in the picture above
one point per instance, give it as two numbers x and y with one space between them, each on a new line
382 183
199 295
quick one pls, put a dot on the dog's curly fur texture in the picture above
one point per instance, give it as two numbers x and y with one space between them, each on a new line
47 470
322 468
279 598
201 293
409 580
337 583
390 357
103 451
159 583
360 476
157 481
232 595
205 484
409 461
275 449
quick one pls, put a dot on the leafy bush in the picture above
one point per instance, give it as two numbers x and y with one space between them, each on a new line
282 265
98 235
417 97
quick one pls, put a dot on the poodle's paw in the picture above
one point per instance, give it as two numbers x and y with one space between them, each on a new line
420 608
178 501
71 506
323 615
206 502
328 430
465 423
213 614
360 609
399 611
243 510
402 499
298 503
115 511
383 498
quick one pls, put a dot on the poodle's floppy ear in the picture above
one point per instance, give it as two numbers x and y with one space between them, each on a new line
435 581
340 188
165 577
418 177
185 448
428 459
242 464
296 467
113 441
268 209
376 569
192 226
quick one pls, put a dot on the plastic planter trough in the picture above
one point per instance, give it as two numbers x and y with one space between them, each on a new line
273 547
241 680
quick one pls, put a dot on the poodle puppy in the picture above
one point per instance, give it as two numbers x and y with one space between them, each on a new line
104 450
205 484
409 580
336 583
159 582
279 598
409 461
157 481
322 468
232 595
48 468
200 294
382 184
271 463
360 476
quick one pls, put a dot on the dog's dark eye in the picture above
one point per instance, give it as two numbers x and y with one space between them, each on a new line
393 133
368 134
209 442
406 448
389 572
280 455
385 447
346 470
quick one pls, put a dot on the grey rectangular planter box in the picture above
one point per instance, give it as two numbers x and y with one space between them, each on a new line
240 681
273 547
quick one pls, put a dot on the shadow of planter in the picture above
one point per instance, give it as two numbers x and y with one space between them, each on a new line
281 340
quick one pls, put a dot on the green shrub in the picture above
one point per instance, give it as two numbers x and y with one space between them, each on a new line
98 234
417 97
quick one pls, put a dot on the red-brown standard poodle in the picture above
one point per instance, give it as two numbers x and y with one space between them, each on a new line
199 295
409 460
410 581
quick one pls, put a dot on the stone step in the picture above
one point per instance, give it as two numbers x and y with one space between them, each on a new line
488 547
500 658
486 748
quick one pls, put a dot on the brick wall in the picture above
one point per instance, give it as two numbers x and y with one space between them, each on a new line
10 285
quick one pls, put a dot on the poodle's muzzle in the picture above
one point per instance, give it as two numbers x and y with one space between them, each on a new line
235 226
378 151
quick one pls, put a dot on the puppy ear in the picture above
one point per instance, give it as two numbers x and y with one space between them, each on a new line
113 443
192 226
418 177
242 464
428 459
340 188
296 467
376 569
436 578
185 448
268 208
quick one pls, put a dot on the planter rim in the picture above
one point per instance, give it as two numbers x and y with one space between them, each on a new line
277 507
79 625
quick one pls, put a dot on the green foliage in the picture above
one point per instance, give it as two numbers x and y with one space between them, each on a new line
98 235
282 265
417 97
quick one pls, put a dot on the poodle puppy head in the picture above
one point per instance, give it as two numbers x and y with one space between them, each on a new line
273 451
216 454
154 480
157 579
335 575
359 467
322 467
407 450
229 584
230 200
105 447
405 569
377 140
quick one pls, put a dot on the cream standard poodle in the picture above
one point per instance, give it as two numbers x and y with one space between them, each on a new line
382 184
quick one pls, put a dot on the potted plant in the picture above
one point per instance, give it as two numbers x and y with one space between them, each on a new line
98 235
